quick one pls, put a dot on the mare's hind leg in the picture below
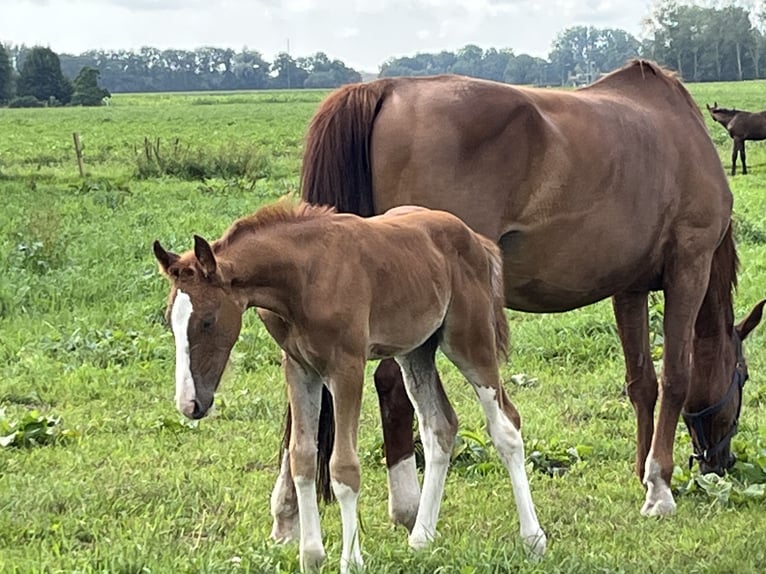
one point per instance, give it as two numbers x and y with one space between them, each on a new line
631 313
685 286
396 414
476 360
438 427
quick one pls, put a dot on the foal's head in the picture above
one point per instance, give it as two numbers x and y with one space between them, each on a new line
206 320
721 115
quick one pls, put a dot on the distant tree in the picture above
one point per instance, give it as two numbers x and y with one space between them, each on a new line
87 92
41 77
287 73
6 76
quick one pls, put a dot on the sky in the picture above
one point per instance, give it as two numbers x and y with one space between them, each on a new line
361 33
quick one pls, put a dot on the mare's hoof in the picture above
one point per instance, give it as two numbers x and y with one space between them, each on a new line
286 531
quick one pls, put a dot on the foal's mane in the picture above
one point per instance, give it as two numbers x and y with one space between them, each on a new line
282 212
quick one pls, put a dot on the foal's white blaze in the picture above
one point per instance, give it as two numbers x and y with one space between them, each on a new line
510 447
347 499
659 498
179 320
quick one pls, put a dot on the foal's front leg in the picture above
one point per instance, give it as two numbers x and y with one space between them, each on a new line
305 394
345 384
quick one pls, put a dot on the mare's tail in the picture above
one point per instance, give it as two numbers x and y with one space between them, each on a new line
336 162
336 171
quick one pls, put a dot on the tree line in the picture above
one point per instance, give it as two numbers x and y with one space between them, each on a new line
715 41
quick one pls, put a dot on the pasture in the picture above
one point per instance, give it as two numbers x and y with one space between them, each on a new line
103 475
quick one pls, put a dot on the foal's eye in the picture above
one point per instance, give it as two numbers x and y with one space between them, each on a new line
207 323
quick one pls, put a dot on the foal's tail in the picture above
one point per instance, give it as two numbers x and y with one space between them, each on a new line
498 296
336 171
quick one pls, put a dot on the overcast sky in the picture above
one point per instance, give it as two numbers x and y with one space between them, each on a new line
361 33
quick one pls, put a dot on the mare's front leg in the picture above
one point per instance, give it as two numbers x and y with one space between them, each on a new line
397 414
631 313
734 153
686 280
345 383
304 391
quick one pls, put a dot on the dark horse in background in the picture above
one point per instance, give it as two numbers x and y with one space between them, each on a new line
741 126
612 190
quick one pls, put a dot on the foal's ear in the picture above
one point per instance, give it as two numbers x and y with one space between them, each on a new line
204 254
751 321
164 258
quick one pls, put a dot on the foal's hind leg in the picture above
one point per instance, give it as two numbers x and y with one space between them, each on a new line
742 156
631 313
476 360
438 427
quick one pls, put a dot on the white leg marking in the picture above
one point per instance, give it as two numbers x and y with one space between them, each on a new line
284 506
659 498
351 557
311 550
179 320
437 461
403 492
510 446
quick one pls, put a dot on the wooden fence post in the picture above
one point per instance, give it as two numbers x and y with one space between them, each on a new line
78 152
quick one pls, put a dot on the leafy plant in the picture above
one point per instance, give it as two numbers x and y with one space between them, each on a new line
34 429
554 458
745 481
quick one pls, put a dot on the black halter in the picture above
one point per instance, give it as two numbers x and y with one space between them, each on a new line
703 450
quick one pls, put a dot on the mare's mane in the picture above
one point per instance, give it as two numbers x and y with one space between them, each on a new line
279 213
719 298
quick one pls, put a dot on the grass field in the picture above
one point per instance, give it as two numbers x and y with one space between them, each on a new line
104 476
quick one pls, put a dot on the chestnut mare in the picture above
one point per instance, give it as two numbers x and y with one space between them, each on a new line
335 291
741 126
612 190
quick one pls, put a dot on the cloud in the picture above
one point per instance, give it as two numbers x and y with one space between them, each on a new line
362 33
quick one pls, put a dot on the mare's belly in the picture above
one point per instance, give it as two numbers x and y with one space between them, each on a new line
544 273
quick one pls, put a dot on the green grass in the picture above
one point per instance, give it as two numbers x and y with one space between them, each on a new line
130 488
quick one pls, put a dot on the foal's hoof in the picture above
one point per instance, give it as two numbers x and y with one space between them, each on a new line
420 539
535 544
312 558
661 507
